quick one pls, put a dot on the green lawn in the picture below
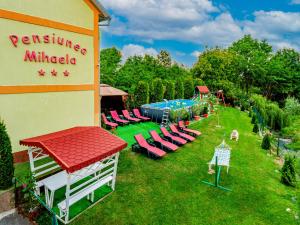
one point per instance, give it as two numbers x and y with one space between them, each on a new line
170 191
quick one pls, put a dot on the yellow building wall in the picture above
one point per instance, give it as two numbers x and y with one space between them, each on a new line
30 114
75 12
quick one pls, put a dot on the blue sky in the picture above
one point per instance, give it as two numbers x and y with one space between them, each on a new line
185 27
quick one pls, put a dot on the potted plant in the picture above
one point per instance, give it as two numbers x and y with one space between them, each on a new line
184 115
205 112
196 109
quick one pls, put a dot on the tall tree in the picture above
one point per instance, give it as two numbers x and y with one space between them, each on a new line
253 56
164 58
110 63
188 88
179 89
158 90
141 93
169 90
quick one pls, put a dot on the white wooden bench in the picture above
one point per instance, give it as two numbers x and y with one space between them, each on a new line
86 192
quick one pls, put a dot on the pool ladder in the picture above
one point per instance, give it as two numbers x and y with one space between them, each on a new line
165 117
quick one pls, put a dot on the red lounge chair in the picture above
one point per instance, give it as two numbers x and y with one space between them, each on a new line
181 134
108 123
187 130
128 117
171 137
151 150
163 143
137 114
116 118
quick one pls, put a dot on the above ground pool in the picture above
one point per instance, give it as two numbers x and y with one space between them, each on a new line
155 110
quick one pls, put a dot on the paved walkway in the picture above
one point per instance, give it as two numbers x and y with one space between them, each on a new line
13 218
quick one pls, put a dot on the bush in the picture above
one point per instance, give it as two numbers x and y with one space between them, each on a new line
250 113
288 172
179 94
6 159
255 128
266 142
141 94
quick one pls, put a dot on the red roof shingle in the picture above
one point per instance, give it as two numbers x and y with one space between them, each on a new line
77 147
203 89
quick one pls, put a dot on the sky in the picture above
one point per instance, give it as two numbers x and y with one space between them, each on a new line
186 27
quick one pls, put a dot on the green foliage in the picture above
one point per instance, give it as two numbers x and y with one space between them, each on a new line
158 90
179 90
292 106
266 142
174 115
255 128
199 82
6 158
110 63
164 58
188 88
184 114
141 94
250 113
288 171
253 120
196 109
169 90
205 110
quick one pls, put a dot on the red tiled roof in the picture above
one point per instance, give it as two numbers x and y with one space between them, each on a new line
106 90
203 89
77 147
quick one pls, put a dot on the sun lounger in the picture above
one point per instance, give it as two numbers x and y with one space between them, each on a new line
187 130
128 117
116 118
151 150
174 139
108 123
163 143
137 114
181 134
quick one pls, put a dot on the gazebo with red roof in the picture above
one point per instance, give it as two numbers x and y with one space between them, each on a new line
84 159
203 91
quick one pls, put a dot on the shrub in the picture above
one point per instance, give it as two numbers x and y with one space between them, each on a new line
266 142
288 172
242 108
6 159
158 90
188 88
250 113
141 94
179 94
255 128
